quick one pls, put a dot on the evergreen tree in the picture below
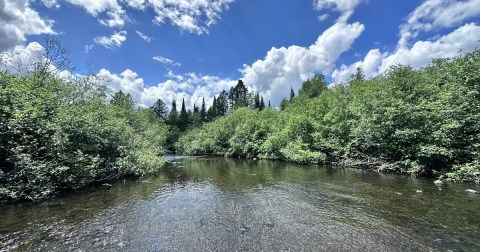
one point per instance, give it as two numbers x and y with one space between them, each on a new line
203 111
359 75
212 111
183 118
222 104
292 94
173 116
269 105
123 100
159 108
262 103
256 101
238 96
196 119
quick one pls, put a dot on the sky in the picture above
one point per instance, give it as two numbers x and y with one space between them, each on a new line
193 49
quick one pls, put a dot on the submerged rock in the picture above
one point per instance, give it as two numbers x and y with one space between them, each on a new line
438 182
471 191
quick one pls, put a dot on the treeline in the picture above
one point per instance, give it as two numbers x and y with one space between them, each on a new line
422 122
58 134
226 102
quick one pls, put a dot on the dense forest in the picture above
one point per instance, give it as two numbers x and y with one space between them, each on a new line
61 134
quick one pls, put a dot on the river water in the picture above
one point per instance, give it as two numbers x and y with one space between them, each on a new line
217 204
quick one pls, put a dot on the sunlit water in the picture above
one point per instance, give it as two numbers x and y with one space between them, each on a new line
216 204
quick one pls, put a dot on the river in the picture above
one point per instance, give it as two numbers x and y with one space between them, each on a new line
217 204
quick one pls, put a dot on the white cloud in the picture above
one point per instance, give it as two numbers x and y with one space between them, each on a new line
115 18
111 10
437 14
191 86
88 48
431 15
323 17
51 3
23 60
136 4
115 40
421 53
166 61
345 7
17 20
190 16
283 68
143 36
194 16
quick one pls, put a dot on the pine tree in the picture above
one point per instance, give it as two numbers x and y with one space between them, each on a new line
159 108
203 111
212 111
173 116
183 118
256 101
292 94
262 103
269 105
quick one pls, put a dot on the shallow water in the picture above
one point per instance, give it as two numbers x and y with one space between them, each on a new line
217 204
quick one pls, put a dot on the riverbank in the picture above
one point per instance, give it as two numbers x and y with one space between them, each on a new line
422 122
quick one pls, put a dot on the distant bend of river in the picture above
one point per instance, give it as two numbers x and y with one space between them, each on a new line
219 204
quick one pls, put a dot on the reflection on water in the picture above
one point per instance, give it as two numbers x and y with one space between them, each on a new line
225 204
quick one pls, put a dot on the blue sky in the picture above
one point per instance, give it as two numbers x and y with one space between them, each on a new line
174 49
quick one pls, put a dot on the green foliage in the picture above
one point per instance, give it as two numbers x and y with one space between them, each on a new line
51 140
159 108
422 122
313 87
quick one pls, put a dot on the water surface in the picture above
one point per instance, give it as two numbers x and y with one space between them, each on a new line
217 204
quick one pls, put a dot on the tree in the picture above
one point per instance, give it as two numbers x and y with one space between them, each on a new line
212 111
196 119
203 111
262 103
269 105
123 100
359 75
42 64
313 87
283 104
173 116
222 104
256 101
292 94
159 108
238 96
183 118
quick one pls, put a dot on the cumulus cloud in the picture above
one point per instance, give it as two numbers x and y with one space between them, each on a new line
23 60
51 3
114 41
143 36
191 86
437 14
166 61
431 15
345 7
283 67
189 16
17 20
